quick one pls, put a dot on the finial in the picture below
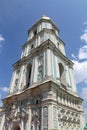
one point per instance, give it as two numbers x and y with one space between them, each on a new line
45 17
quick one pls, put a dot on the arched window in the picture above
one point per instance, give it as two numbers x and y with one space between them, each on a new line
29 68
62 76
61 69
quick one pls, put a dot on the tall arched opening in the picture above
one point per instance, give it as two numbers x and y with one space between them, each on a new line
29 68
62 76
61 69
16 127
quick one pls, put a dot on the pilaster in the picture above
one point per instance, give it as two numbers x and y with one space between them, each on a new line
35 69
13 81
73 81
48 62
21 78
50 117
57 70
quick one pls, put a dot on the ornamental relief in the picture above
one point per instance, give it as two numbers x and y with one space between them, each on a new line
16 111
68 116
36 118
40 67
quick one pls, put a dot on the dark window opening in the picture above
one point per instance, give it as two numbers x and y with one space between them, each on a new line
35 32
16 82
32 46
16 128
61 69
21 103
58 44
29 74
37 101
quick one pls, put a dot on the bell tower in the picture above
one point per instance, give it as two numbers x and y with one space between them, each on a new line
42 94
45 59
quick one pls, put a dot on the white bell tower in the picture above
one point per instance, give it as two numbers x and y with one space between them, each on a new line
43 93
43 57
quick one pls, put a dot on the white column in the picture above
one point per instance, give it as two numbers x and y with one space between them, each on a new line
42 118
67 76
54 61
36 69
48 62
50 117
38 40
58 98
70 78
10 90
21 78
22 125
73 80
9 127
13 81
45 64
32 71
28 124
57 71
52 64
27 50
2 122
25 76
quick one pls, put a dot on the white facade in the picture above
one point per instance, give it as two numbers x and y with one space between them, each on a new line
42 93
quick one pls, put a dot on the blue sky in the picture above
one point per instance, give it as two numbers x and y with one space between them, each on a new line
70 16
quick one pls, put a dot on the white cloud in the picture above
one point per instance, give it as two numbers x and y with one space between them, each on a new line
0 96
85 110
73 56
82 54
83 37
84 93
1 38
80 67
1 41
4 89
85 23
80 71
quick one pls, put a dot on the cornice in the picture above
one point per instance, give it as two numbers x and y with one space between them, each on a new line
42 31
47 44
41 86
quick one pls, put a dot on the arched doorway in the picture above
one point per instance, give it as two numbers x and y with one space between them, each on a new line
16 127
